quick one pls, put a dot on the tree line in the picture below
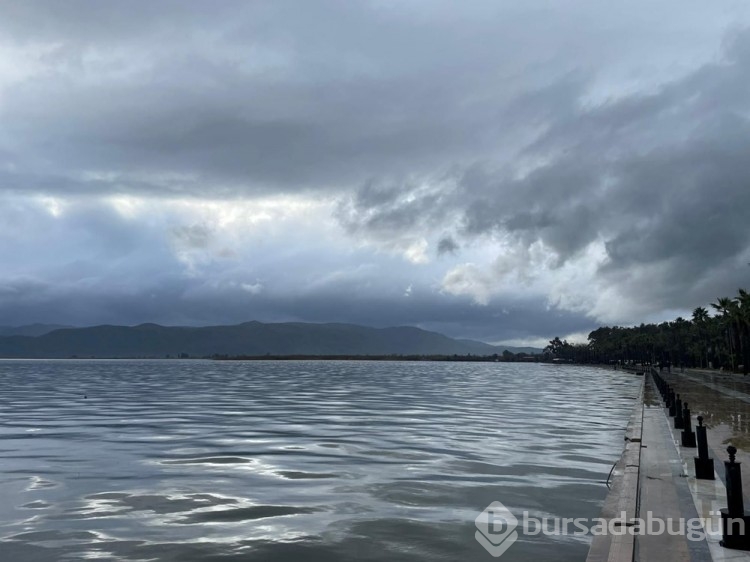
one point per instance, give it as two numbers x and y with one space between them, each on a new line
718 340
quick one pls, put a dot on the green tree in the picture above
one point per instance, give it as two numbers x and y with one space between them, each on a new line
700 319
726 307
743 324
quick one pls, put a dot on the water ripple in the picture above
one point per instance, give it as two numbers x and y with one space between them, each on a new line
198 460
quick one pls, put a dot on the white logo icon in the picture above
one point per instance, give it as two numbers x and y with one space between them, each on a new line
496 529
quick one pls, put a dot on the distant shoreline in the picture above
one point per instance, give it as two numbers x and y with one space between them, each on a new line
404 358
463 358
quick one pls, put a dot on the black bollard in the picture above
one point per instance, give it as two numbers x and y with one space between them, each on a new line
688 436
678 422
704 465
672 404
734 522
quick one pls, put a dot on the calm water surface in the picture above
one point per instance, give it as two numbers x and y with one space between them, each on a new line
313 461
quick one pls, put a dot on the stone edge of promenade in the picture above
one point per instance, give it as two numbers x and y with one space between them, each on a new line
623 495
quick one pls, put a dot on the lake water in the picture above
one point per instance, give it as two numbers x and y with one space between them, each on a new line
312 461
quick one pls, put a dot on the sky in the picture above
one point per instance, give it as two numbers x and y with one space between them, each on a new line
495 170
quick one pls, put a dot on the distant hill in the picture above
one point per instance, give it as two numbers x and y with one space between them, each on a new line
249 339
30 329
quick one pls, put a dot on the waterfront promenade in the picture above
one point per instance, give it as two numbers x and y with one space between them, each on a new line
656 474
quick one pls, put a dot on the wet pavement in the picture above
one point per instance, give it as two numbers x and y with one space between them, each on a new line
723 400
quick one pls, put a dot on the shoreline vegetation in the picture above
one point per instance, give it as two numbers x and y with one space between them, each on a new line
504 357
507 357
721 341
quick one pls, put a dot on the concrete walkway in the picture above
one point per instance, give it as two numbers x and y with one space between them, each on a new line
666 487
664 492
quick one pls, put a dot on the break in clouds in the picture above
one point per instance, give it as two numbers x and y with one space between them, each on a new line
495 170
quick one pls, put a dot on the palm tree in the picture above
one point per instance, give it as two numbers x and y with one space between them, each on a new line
700 317
728 309
680 332
743 322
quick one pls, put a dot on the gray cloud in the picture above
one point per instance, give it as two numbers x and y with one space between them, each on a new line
257 97
177 301
447 245
472 134
197 236
660 177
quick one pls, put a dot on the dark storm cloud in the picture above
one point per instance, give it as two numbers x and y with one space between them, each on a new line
662 178
387 208
178 301
242 107
92 265
243 98
447 245
432 130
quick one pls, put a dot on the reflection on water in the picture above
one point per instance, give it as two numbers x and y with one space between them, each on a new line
194 460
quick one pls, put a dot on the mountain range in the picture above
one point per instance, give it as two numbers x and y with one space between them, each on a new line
30 329
246 339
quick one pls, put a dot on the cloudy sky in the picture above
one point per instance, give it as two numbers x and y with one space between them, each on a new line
506 171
